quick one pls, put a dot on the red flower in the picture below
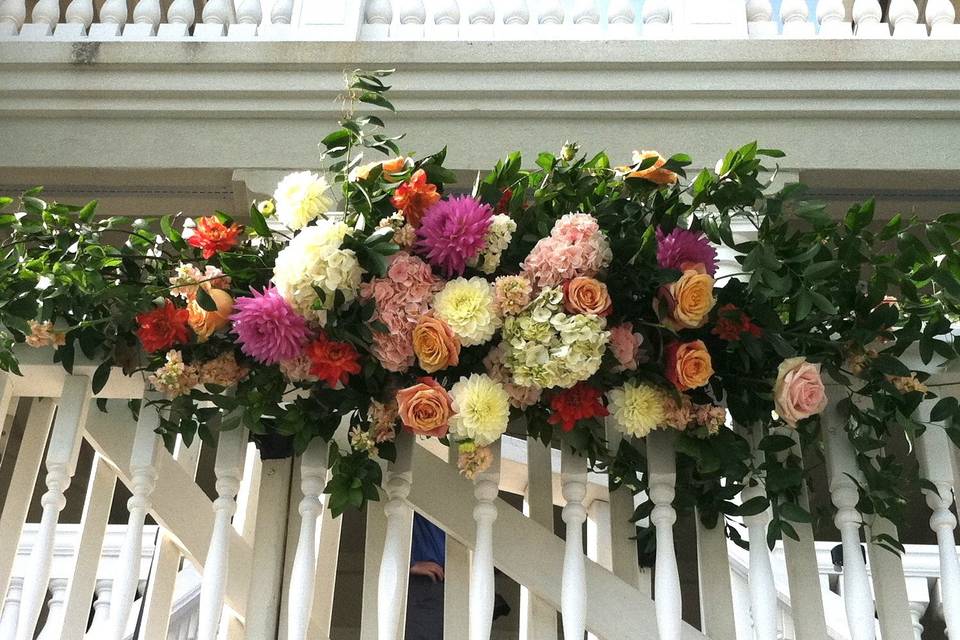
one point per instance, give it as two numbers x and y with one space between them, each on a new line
503 206
414 197
332 361
212 236
580 402
732 323
163 327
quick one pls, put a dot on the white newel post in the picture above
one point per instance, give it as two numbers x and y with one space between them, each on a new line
662 470
62 455
228 468
13 13
313 473
573 592
11 610
394 566
143 480
934 450
486 487
841 465
763 590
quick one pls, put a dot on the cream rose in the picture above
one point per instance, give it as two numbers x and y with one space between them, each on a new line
798 392
586 295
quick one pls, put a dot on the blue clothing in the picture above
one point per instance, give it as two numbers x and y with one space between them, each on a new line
429 541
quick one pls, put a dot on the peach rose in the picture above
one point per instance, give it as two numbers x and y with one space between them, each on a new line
655 173
204 323
688 364
689 300
798 392
586 295
425 408
390 167
435 344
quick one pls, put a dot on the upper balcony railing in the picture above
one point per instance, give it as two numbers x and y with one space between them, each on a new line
413 20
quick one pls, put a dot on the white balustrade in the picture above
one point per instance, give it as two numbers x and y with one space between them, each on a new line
626 564
621 19
585 12
516 12
143 481
903 16
717 617
760 24
61 464
447 12
550 12
538 619
377 18
842 469
217 15
13 13
46 12
940 16
480 12
80 12
485 490
919 594
249 12
113 16
795 16
147 12
100 624
573 594
411 19
394 565
313 472
228 468
182 12
282 12
656 17
763 591
867 16
831 16
54 621
11 610
662 472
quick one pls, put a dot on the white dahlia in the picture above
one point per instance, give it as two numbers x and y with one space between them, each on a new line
468 308
302 197
482 409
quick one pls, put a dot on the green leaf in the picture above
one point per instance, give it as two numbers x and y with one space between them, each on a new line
753 506
370 97
258 223
775 443
101 375
205 301
885 363
822 303
794 512
944 408
860 216
821 270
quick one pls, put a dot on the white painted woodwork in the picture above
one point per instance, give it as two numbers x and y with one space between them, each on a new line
231 450
328 552
395 563
100 624
662 471
537 618
54 621
376 534
485 491
93 526
599 535
623 546
889 582
919 594
313 472
22 481
716 601
841 465
763 592
13 13
61 463
11 610
573 594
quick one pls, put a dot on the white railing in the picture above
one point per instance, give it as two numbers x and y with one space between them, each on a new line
248 578
350 20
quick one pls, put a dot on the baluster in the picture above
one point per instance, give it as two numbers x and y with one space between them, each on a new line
573 592
143 479
940 16
58 593
551 12
485 490
540 621
228 468
903 16
113 16
43 19
61 464
377 17
22 482
621 19
760 23
147 13
412 16
313 472
249 15
585 18
282 12
480 19
841 465
394 566
515 16
656 18
80 12
446 20
866 19
13 13
662 470
795 16
216 16
934 451
11 609
763 591
919 594
831 15
180 17
100 625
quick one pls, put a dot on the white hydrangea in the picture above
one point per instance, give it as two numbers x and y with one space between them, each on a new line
495 243
546 347
469 308
301 197
314 260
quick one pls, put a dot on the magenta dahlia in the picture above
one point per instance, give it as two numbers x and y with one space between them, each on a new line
452 232
682 249
267 328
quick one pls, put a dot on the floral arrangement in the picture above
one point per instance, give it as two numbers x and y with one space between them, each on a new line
545 300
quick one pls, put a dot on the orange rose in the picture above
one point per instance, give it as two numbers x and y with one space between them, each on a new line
435 344
204 323
688 364
654 173
390 169
425 408
586 295
690 300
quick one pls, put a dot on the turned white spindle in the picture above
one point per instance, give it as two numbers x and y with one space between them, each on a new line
620 12
573 592
182 12
763 591
411 11
550 12
80 12
866 16
902 12
760 24
228 468
585 12
662 472
795 15
394 568
11 610
147 12
100 625
114 12
61 463
842 469
485 490
516 12
918 592
378 12
13 13
446 12
282 12
759 11
217 12
249 12
934 451
46 12
938 13
481 12
655 12
830 13
303 574
143 480
54 622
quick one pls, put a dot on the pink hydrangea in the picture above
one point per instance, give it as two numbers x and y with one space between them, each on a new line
625 345
394 350
575 247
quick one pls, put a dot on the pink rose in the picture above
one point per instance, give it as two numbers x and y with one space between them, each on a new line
798 392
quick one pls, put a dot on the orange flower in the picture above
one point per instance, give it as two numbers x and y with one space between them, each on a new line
435 344
163 327
414 197
425 408
212 236
586 295
390 169
204 323
331 361
688 364
655 173
689 300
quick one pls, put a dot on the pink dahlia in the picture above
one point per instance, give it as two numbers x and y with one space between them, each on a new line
267 328
452 232
682 249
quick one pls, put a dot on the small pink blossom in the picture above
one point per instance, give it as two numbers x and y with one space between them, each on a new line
625 345
798 392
